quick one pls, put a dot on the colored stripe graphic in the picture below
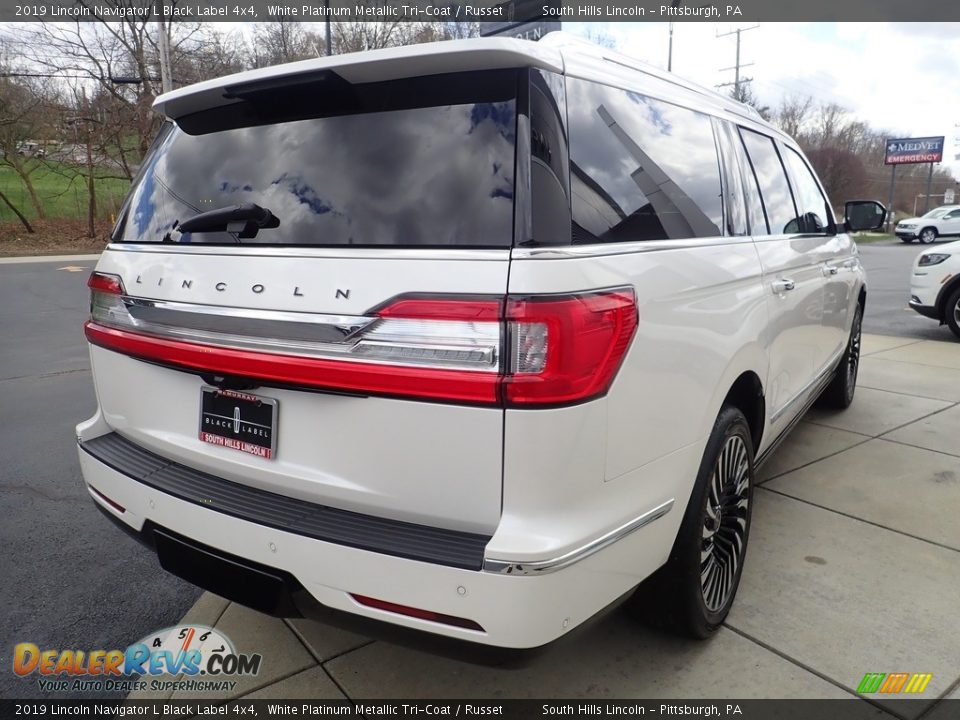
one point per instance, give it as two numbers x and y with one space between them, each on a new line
918 682
894 683
871 682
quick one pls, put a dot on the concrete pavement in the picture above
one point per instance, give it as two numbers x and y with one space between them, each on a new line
853 567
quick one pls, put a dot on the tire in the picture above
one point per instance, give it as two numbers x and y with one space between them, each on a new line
951 313
694 591
928 235
839 393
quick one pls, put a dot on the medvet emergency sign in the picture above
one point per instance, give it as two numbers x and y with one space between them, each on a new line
902 151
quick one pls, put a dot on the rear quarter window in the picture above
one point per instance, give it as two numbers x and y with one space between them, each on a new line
640 168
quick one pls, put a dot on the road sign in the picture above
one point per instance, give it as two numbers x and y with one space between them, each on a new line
948 196
904 151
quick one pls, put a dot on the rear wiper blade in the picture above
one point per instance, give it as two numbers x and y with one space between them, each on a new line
246 220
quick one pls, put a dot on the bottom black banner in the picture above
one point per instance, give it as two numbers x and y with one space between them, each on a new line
852 709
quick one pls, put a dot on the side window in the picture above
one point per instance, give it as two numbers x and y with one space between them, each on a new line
814 211
640 168
772 180
733 190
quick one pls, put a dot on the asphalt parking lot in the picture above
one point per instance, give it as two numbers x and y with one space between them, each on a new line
70 580
854 564
888 265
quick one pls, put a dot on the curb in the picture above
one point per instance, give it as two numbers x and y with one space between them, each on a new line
45 258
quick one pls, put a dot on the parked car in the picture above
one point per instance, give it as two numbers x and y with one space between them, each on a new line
31 149
940 222
935 285
475 337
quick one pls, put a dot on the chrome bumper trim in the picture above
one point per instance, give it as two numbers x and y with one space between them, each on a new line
540 567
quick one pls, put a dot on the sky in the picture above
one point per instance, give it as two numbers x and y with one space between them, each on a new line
900 77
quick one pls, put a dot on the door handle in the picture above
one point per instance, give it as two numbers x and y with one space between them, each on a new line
783 285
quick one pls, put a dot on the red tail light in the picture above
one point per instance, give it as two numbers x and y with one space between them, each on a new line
417 613
523 352
106 283
567 349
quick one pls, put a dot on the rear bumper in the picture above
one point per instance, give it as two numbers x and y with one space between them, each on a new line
514 610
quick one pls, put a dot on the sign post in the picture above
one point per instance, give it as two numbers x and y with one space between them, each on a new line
893 184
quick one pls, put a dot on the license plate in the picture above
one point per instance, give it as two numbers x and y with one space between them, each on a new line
238 420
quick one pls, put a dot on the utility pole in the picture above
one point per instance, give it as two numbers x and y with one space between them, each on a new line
166 80
737 80
673 4
326 6
670 51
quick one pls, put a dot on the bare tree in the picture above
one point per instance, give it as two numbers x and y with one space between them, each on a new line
284 41
848 154
119 57
793 115
21 122
744 93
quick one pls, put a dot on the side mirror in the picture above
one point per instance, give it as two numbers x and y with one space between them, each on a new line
863 215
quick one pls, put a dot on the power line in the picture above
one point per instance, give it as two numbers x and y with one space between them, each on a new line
46 75
736 68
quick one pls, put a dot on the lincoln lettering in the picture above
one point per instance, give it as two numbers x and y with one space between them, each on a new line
255 288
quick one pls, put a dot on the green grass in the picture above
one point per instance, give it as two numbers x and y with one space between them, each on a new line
62 195
865 238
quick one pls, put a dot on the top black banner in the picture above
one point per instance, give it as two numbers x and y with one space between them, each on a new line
733 11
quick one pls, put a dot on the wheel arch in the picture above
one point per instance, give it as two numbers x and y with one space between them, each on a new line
945 292
742 385
746 394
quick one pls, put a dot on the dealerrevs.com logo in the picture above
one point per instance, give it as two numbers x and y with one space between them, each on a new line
204 657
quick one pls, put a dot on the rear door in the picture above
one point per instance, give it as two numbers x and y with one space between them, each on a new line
792 278
950 224
834 251
345 267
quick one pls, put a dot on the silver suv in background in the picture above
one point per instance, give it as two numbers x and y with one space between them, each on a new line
940 222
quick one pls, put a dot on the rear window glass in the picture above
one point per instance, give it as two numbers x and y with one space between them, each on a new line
437 175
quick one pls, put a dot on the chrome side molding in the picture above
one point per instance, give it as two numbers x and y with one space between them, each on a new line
540 567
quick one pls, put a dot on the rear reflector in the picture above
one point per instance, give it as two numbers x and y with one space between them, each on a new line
115 505
512 351
417 613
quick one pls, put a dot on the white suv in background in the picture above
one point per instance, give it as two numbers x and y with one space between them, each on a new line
940 222
473 337
935 285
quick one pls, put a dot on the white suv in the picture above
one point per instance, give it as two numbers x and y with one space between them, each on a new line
471 337
935 285
940 222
